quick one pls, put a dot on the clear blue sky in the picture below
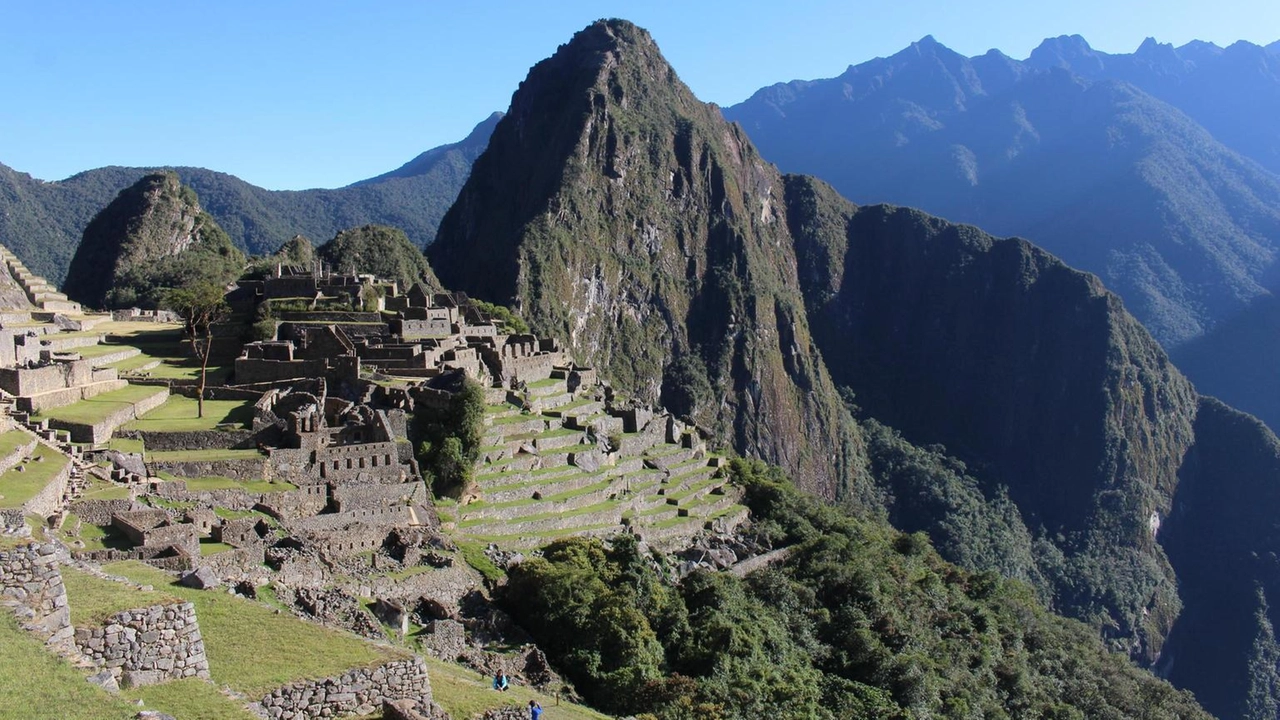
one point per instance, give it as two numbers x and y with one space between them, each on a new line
322 93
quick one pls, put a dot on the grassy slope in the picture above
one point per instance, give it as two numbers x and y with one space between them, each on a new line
18 487
251 648
37 685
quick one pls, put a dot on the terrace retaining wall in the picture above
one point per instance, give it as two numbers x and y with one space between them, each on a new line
359 691
148 645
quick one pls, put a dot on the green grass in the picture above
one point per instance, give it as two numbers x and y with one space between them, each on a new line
99 489
178 413
209 547
93 351
12 440
251 648
465 693
35 683
202 455
17 487
548 382
131 364
125 445
93 536
98 408
92 599
473 554
189 699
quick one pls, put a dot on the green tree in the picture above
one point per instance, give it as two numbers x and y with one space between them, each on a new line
201 305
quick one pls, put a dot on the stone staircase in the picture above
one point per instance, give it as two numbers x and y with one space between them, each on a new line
547 470
40 292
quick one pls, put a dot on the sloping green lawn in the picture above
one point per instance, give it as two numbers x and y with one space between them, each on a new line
252 649
35 683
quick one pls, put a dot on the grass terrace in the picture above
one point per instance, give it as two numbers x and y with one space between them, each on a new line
21 483
93 599
252 649
100 407
12 440
179 413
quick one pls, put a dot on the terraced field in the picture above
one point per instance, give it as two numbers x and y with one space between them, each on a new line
555 463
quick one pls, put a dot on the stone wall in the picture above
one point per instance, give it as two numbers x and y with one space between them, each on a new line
359 691
355 497
99 512
250 468
194 439
385 517
376 461
306 501
13 523
148 646
31 581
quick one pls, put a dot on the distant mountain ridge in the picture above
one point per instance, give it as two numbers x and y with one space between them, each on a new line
42 221
1076 151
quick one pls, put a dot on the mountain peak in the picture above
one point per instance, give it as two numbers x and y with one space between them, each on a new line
1072 52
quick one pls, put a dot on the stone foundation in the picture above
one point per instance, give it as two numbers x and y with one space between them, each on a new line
148 646
356 692
31 582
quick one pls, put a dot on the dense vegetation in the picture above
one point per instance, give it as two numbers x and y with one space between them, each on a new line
448 437
42 222
383 251
859 621
152 238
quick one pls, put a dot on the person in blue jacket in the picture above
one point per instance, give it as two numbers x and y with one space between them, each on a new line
500 682
535 711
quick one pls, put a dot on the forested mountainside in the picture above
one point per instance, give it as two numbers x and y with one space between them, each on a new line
154 236
42 222
615 210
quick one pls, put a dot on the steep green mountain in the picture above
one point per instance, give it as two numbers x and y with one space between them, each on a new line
1093 169
383 251
42 222
616 211
152 237
1124 480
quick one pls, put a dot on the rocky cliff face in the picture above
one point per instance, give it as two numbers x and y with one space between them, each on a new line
617 211
1151 506
1016 362
152 236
